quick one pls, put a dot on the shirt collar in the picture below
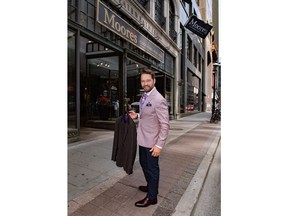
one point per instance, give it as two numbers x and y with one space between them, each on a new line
148 93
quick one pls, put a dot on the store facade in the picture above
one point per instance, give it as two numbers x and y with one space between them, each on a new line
195 65
106 53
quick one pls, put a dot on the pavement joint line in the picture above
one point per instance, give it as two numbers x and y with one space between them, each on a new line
189 199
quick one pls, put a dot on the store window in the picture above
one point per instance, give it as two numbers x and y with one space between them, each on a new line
192 92
99 82
71 95
169 94
169 63
190 98
102 85
134 89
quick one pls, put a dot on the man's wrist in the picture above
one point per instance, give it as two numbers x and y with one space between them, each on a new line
158 146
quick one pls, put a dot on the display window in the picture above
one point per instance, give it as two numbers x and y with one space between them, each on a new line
134 89
101 89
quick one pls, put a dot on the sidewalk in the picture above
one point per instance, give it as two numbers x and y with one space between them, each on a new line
98 187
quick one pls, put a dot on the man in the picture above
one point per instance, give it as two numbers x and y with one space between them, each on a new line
152 132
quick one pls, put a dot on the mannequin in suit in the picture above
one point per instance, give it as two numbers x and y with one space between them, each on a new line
152 132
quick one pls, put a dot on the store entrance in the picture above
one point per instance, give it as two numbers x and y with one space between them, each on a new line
100 89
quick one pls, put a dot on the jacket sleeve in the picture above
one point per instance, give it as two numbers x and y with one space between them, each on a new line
163 117
115 141
130 147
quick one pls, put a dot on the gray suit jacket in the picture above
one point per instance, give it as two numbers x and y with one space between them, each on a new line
153 123
124 143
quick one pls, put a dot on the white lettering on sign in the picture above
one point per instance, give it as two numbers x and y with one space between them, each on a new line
199 28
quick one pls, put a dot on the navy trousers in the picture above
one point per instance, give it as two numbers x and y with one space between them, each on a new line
150 167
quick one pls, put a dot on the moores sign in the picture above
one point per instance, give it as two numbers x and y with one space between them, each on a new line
198 27
113 22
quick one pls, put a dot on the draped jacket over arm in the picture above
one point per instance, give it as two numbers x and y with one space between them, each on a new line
125 143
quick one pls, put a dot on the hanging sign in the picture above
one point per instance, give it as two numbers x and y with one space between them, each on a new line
198 27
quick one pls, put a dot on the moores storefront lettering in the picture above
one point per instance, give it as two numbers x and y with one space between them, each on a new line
113 22
110 20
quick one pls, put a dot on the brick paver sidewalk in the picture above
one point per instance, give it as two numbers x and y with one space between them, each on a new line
179 161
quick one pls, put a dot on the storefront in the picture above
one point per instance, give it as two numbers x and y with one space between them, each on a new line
105 57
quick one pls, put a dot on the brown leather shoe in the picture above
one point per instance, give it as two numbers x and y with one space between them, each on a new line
146 202
143 188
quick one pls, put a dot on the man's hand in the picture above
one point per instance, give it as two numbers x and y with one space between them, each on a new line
133 115
155 151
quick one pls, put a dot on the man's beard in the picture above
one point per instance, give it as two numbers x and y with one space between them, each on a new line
148 88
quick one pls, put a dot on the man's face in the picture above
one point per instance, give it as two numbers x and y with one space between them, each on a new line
147 82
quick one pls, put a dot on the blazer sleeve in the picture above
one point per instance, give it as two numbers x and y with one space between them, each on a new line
163 117
130 147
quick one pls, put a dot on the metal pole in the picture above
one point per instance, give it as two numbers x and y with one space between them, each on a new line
214 89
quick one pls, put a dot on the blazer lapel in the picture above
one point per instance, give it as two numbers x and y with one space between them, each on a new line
148 100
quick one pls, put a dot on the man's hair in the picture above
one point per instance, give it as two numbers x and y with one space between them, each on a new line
148 71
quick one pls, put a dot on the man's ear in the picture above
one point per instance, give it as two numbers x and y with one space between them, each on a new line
154 81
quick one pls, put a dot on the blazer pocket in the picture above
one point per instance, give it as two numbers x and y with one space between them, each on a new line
149 104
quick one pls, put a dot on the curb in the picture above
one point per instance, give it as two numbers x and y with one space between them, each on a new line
189 199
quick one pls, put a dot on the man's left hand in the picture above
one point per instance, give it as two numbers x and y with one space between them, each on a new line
155 151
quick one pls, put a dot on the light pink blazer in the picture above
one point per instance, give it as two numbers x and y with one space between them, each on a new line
153 123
